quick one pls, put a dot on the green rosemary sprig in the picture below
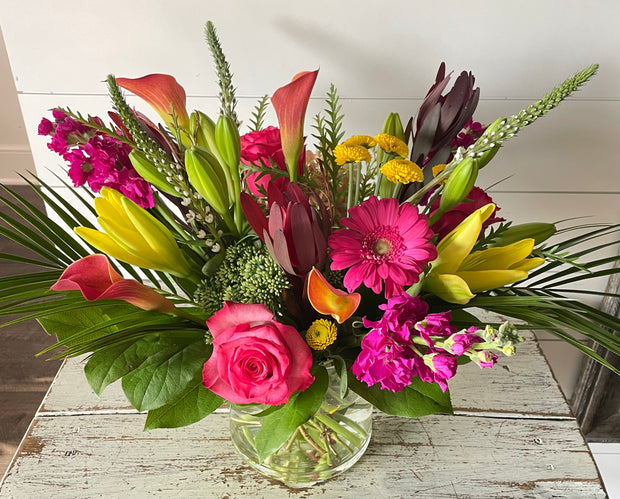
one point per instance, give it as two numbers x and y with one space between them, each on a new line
329 134
258 115
228 101
504 128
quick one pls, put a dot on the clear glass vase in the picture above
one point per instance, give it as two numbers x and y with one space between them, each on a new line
329 443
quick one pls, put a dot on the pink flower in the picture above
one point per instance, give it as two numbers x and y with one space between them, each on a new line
263 148
475 200
385 361
435 325
255 359
95 278
441 366
95 158
383 243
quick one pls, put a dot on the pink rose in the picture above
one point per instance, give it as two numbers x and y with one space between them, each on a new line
255 359
261 149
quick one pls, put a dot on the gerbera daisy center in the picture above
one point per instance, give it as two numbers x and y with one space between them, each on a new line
383 243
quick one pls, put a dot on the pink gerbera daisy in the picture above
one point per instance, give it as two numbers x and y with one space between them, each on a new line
383 242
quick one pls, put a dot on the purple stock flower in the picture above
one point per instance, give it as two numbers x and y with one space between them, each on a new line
384 361
435 325
95 158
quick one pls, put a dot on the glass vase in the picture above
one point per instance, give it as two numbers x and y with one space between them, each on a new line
332 441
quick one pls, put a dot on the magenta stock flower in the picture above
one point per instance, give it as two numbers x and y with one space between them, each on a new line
383 243
385 361
95 159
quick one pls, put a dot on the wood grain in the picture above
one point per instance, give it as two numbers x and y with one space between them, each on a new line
105 455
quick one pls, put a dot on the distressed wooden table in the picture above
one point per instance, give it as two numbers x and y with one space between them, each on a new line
512 436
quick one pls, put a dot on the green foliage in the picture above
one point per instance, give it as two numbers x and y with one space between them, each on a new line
278 426
329 134
247 274
258 115
417 399
190 406
165 372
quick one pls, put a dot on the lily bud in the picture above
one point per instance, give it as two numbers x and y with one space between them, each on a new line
203 129
459 184
207 176
393 126
228 142
538 231
148 171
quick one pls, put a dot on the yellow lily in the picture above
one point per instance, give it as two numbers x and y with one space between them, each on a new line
457 273
133 236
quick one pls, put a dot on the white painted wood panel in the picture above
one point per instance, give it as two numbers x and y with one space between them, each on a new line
376 50
431 457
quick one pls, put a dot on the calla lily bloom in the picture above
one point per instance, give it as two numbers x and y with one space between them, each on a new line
134 236
457 273
162 93
327 300
290 103
95 278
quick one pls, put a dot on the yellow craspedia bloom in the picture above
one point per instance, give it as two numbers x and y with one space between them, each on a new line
403 171
321 334
391 144
350 154
360 140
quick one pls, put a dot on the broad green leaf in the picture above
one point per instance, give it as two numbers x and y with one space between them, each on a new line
164 375
66 324
415 400
106 366
280 425
192 404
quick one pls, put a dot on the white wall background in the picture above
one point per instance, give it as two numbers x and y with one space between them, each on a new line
381 56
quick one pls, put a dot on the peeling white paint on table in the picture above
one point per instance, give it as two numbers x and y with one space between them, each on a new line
512 436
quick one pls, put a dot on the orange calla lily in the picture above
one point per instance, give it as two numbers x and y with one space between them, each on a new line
327 300
290 103
162 93
95 278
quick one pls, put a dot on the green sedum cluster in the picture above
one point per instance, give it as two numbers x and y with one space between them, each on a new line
247 275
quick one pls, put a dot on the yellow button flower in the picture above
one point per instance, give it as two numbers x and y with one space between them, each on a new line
403 171
321 334
392 145
457 273
360 140
350 154
133 236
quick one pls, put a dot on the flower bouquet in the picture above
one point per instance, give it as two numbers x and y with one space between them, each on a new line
302 280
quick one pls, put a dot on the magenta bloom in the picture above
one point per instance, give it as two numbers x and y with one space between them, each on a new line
255 359
385 361
384 242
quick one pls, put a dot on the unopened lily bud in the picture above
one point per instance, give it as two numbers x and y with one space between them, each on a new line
459 184
538 231
393 126
203 128
148 171
207 176
227 141
486 157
